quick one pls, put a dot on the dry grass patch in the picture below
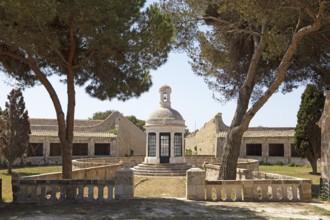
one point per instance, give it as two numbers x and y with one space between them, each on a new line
26 171
161 187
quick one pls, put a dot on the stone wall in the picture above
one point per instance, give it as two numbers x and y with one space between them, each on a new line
104 172
126 161
200 161
204 141
130 139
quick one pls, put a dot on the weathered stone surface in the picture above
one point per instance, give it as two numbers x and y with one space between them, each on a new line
124 184
195 184
324 123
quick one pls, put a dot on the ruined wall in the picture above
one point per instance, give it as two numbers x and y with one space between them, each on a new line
130 139
204 141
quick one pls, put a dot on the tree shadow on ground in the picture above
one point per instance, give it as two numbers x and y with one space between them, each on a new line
127 209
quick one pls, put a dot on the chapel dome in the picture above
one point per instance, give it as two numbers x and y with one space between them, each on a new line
165 115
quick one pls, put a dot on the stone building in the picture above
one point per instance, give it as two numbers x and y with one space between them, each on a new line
115 136
268 145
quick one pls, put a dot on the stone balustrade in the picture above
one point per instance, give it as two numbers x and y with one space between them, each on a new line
25 191
250 186
96 184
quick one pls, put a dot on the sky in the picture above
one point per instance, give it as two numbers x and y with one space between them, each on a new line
190 96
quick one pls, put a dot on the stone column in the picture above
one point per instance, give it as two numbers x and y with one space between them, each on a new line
171 146
195 184
124 184
287 152
265 150
91 147
157 146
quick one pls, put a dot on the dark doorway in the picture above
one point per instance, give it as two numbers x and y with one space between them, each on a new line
165 146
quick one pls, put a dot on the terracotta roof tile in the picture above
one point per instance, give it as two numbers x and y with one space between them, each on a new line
265 132
54 133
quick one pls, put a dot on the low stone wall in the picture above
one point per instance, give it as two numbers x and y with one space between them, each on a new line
202 186
200 161
33 190
126 161
105 172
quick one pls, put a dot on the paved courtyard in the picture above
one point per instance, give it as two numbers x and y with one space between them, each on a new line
165 208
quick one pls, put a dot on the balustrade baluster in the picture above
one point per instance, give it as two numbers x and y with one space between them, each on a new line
110 192
285 192
53 193
238 190
295 193
208 192
264 191
90 193
228 193
63 192
100 191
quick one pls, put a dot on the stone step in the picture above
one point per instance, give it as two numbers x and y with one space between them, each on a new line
161 169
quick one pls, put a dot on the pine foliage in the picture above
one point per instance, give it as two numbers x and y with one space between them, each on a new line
307 132
15 130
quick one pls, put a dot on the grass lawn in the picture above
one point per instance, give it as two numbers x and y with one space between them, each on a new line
299 171
6 179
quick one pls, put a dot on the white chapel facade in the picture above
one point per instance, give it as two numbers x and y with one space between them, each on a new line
165 133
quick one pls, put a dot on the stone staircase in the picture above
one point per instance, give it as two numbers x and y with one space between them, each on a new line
165 169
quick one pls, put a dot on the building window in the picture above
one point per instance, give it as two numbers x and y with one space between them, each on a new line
177 144
165 144
276 150
253 149
152 144
102 149
35 150
294 152
80 149
55 149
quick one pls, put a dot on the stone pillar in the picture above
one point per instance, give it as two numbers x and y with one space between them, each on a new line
248 190
124 184
46 148
91 147
306 190
195 184
287 154
265 150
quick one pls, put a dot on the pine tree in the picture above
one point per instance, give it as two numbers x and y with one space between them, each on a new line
307 132
15 131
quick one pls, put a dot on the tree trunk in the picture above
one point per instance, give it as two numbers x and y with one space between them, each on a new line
66 160
10 167
313 162
228 161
